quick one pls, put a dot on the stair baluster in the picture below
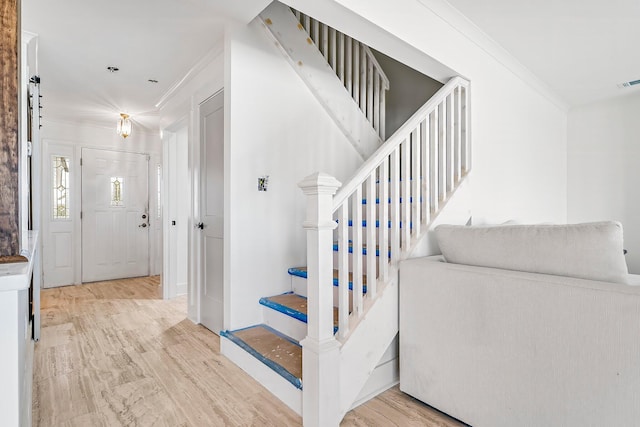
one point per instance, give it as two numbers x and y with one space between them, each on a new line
356 67
406 183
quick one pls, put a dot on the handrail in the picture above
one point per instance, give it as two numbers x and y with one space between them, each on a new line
394 140
376 64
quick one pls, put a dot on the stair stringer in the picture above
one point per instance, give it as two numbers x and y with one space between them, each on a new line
305 58
456 210
365 346
368 342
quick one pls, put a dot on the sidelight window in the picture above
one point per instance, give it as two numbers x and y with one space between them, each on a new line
61 188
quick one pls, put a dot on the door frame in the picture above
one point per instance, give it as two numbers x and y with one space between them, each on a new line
76 197
169 261
195 238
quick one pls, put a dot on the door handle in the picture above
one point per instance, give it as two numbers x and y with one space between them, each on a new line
200 225
143 225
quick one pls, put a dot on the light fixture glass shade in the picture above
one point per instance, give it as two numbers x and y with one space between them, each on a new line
124 125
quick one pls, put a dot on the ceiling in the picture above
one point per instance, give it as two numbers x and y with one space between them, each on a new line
145 39
580 48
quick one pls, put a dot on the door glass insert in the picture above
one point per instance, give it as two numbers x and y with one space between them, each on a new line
60 166
117 191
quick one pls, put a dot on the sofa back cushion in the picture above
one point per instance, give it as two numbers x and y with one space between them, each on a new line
591 251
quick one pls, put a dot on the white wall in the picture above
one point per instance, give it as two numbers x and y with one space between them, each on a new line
75 136
518 127
408 91
603 172
275 127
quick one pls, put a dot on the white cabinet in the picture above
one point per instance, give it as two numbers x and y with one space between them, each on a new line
16 338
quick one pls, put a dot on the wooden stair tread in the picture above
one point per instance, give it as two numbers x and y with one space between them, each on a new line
364 248
335 274
266 344
296 303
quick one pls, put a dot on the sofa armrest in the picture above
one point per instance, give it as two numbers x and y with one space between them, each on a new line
496 347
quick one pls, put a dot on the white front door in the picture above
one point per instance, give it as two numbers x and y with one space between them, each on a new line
115 216
212 211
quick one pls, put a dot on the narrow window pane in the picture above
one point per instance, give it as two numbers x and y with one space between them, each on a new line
117 191
60 166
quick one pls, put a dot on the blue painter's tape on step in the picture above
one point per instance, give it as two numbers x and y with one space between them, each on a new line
298 272
288 310
364 200
284 309
364 224
364 250
303 273
279 369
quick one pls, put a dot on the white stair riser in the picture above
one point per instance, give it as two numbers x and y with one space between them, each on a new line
364 261
299 286
285 324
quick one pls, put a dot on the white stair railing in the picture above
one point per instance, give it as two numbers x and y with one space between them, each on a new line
409 179
356 67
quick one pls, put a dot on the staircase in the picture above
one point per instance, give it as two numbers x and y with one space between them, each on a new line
330 342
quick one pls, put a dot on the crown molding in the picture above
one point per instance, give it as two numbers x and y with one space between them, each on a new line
461 23
218 49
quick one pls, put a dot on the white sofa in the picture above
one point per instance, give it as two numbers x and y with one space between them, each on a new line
511 346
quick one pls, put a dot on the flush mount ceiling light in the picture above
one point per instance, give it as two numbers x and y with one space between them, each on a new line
112 69
124 125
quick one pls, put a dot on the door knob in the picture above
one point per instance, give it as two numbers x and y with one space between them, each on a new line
143 225
200 225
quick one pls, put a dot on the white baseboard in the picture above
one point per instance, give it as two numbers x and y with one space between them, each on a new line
383 378
281 388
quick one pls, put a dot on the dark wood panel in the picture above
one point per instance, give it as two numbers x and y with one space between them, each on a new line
9 113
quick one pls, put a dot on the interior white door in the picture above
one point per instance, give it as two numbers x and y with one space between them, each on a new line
115 216
212 211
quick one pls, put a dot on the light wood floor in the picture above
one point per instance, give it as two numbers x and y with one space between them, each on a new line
114 354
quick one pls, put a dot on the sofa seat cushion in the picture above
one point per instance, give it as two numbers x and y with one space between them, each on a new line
591 251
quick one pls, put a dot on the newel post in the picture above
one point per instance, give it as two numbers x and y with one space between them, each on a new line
320 350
